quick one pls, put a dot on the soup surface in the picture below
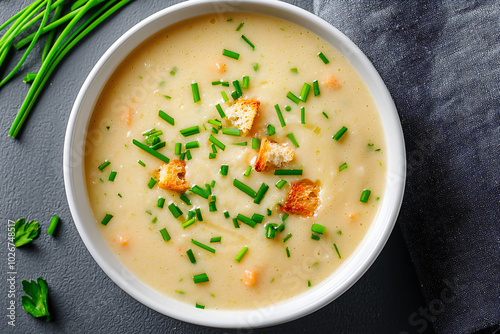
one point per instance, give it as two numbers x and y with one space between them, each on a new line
162 74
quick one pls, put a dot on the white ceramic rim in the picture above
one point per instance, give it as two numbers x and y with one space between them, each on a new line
318 296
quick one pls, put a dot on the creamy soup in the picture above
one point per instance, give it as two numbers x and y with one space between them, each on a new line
199 257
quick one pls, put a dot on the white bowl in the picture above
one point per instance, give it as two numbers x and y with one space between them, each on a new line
318 296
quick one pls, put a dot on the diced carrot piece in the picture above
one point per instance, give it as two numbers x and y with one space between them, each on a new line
331 82
351 216
122 240
250 277
220 67
128 116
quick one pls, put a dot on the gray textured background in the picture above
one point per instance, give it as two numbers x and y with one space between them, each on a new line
82 298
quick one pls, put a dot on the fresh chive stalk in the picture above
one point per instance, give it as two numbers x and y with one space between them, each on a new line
326 115
230 54
293 98
224 96
190 255
258 218
271 229
261 193
161 202
288 172
141 163
292 138
365 195
248 171
243 143
255 143
104 165
224 169
174 209
340 133
198 214
287 252
240 255
323 58
271 130
178 149
219 109
231 132
200 191
217 142
246 220
248 42
53 224
281 183
200 306
188 223
343 166
167 118
226 214
287 237
318 228
151 151
164 234
316 88
240 26
196 92
304 93
200 278
106 219
255 67
245 82
314 236
201 245
192 144
185 199
280 115
302 115
151 183
243 187
112 176
193 130
212 207
235 223
337 250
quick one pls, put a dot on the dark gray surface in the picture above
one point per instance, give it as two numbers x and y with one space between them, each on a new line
82 298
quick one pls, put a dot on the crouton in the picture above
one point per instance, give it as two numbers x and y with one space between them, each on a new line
171 176
242 114
272 154
303 198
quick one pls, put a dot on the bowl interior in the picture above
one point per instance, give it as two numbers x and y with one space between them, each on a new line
339 281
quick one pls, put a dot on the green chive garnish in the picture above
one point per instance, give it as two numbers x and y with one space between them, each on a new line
255 143
269 212
221 112
224 96
337 250
192 144
151 151
314 236
141 163
167 97
106 219
243 143
365 196
185 199
212 155
241 254
198 214
281 183
280 115
53 224
317 228
190 131
166 117
155 219
164 234
216 123
224 169
151 183
217 142
340 133
178 149
188 223
240 26
161 202
284 217
287 237
112 176
245 82
247 172
271 130
323 58
226 214
237 86
257 218
191 214
190 255
246 220
326 115
255 67
287 252
288 172
288 108
339 232
292 138
200 191
248 42
271 229
235 95
308 284
196 92
343 166
231 132
230 54
212 207
158 146
200 306
304 93
205 247
173 70
292 97
215 239
294 69
104 165
316 88
176 212
261 193
243 187
201 278
302 115
235 223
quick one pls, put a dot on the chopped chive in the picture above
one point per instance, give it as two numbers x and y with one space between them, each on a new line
164 234
294 69
343 166
237 86
173 70
189 222
183 155
316 88
255 143
281 227
281 183
235 95
176 212
200 191
271 229
284 217
246 220
257 218
152 132
151 183
196 92
224 96
302 115
365 196
190 131
247 172
271 130
178 149
304 93
240 26
308 283
200 306
337 250
106 219
192 144
248 42
241 254
212 184
314 236
212 207
318 228
205 247
169 119
53 224
292 138
217 142
280 115
288 108
215 239
261 193
201 278
269 212
323 58
212 155
216 123
167 97
120 195
235 223
226 214
141 163
288 172
326 115
255 67
287 237
245 82
224 169
155 219
243 143
229 20
112 176
230 54
191 214
340 133
190 255
198 214
287 252
149 212
221 112
231 132
185 199
104 165
215 83
161 202
293 98
243 187
214 149
158 145
151 151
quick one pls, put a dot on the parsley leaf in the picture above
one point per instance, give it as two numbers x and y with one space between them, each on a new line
37 304
25 232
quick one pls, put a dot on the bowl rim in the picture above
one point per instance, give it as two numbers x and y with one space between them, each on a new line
351 269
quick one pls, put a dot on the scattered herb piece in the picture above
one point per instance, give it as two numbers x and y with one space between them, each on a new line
337 250
248 42
151 151
243 187
151 183
201 278
169 119
316 88
106 219
174 209
280 115
230 54
318 228
205 247
112 176
240 255
323 58
293 98
35 302
261 193
343 166
271 130
340 133
25 232
104 165
190 255
365 196
288 172
215 239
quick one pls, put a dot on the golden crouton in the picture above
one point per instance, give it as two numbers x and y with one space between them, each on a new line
272 154
303 198
172 175
242 114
